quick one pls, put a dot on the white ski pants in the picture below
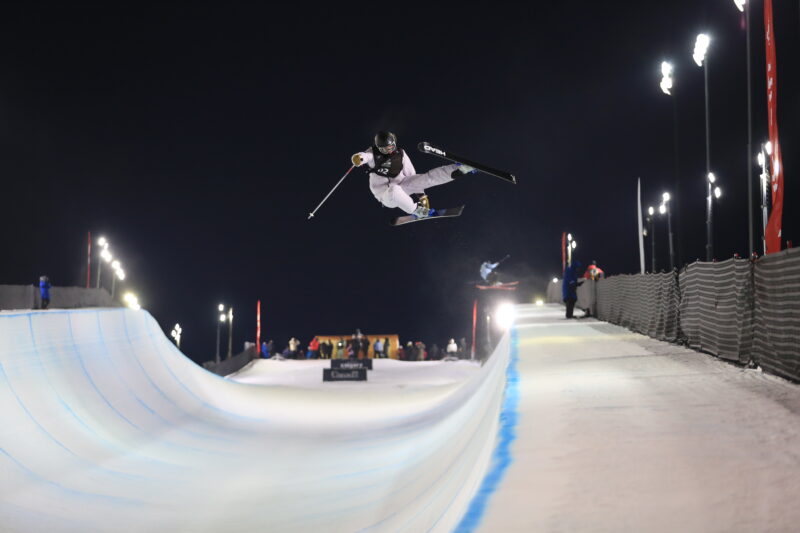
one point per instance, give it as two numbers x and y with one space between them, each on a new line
396 192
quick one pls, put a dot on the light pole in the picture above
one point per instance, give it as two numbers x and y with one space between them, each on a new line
667 87
571 245
220 308
664 208
743 5
230 332
651 222
176 334
713 192
699 56
103 243
763 161
118 273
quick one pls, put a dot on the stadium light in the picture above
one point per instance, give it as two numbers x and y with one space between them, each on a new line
666 77
700 49
740 5
504 315
555 280
717 192
176 334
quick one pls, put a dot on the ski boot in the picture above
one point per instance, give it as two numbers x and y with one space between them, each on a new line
424 208
462 171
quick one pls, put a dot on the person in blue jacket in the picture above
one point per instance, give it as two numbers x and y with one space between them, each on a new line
44 290
569 287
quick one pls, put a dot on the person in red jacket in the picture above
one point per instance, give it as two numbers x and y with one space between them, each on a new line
594 272
313 349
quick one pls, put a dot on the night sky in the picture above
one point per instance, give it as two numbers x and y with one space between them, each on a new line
198 137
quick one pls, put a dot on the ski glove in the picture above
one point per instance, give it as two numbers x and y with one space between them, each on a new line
357 160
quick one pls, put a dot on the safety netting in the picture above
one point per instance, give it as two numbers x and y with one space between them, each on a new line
776 340
716 308
740 310
645 303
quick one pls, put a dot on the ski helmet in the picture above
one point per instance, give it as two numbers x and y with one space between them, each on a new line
386 142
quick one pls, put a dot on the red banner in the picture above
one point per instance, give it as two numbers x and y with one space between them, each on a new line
474 325
773 236
563 251
258 327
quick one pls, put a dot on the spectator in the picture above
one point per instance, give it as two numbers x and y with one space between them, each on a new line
264 350
462 347
44 290
452 348
434 352
365 346
377 348
340 349
401 353
270 348
594 272
386 346
411 353
294 348
313 349
326 349
569 287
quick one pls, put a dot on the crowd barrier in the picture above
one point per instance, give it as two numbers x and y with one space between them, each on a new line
740 310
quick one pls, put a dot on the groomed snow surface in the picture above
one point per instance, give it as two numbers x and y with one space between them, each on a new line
105 426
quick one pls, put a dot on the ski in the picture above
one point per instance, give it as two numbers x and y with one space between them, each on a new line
512 286
428 148
440 213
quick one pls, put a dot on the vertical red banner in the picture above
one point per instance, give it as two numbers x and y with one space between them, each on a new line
563 251
258 327
773 236
88 258
474 325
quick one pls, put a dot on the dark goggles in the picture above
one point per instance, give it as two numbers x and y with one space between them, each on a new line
388 149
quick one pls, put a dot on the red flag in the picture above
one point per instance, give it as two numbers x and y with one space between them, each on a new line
258 327
563 251
773 236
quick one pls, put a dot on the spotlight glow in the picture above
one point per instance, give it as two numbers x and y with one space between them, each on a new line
504 315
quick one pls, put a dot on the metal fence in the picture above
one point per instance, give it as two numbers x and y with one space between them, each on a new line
740 310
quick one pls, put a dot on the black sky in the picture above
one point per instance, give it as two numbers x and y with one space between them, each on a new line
197 137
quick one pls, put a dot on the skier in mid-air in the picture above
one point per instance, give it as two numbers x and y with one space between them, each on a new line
392 178
487 272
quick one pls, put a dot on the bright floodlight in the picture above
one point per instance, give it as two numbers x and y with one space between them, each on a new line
120 274
102 241
539 301
717 192
651 211
555 280
221 308
574 244
106 255
711 177
666 77
666 197
504 315
222 317
115 264
700 49
739 4
131 300
768 147
569 236
662 209
761 159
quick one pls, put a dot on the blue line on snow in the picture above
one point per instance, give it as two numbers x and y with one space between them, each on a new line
501 458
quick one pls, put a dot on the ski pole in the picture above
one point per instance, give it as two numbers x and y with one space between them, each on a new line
503 259
311 214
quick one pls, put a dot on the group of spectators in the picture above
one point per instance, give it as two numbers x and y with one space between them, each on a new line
569 287
357 347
